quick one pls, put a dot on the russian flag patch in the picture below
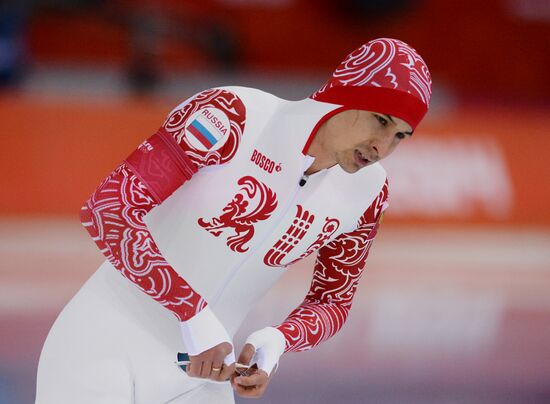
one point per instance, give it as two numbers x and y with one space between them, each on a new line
208 129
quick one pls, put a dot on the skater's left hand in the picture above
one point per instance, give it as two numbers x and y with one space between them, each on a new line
263 349
210 363
255 384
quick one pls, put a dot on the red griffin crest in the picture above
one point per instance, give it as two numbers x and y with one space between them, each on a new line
239 216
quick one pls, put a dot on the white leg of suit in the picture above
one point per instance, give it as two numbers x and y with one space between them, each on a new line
113 344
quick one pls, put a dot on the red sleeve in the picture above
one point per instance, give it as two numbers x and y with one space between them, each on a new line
338 268
114 213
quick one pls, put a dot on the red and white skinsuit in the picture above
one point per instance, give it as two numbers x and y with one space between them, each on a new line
209 207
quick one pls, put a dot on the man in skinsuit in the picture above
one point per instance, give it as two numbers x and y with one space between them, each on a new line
235 186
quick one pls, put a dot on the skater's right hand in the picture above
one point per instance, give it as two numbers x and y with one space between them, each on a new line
209 347
210 363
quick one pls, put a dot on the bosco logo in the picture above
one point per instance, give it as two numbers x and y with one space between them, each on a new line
264 162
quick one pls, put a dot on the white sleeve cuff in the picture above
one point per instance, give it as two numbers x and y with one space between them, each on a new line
270 344
204 331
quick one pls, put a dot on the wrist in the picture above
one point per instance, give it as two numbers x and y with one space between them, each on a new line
202 332
269 344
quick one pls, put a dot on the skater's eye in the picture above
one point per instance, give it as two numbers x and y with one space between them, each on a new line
400 135
383 121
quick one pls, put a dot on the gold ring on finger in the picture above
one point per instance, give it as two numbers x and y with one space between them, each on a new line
216 369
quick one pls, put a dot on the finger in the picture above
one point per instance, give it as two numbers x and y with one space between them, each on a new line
196 365
232 378
246 354
257 379
226 372
216 370
217 367
206 369
226 348
192 368
240 390
224 354
249 392
188 369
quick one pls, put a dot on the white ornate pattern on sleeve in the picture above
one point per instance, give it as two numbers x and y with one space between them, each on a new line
338 268
114 218
114 213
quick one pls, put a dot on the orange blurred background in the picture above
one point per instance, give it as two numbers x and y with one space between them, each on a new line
454 306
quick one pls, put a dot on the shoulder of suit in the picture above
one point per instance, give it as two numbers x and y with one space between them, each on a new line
252 97
375 172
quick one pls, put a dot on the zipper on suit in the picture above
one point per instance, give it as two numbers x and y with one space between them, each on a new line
252 252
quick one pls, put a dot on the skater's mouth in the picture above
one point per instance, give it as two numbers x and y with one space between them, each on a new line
361 159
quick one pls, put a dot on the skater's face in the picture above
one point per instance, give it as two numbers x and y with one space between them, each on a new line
355 139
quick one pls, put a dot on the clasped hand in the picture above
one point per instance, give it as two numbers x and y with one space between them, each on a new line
210 365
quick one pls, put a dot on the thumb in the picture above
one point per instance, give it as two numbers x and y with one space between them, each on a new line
270 345
246 354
